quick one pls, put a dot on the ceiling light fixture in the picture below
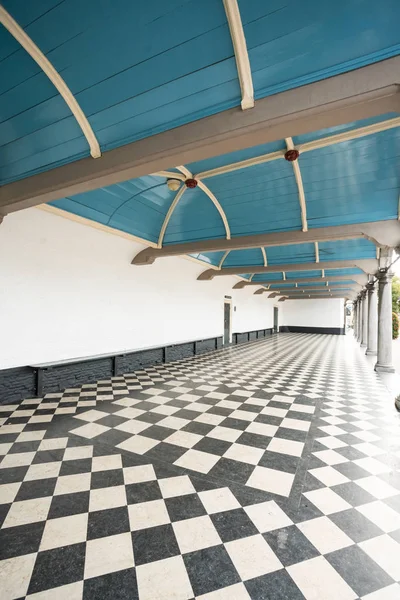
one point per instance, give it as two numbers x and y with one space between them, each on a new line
173 184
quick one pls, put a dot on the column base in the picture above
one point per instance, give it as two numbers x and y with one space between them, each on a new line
397 404
384 368
363 345
371 353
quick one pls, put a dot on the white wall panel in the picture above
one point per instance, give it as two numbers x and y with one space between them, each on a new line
314 313
68 290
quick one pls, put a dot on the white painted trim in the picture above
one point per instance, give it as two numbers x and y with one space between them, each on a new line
323 272
241 54
264 256
95 225
169 175
185 172
242 164
221 262
171 209
316 252
19 34
284 275
346 136
217 205
307 147
300 187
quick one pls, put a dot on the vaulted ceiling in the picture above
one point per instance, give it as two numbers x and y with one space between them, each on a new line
134 70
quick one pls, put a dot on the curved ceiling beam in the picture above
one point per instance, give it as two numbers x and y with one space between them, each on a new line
185 172
368 265
300 187
170 175
221 262
29 45
242 164
359 279
217 205
241 54
316 252
381 233
171 209
264 256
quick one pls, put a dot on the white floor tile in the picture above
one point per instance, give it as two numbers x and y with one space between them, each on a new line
377 487
110 497
245 454
15 574
147 514
17 460
244 415
43 471
271 480
27 511
53 443
78 452
324 535
328 476
392 592
164 580
283 446
372 465
252 557
215 501
108 554
139 474
91 415
225 433
232 592
138 444
382 515
173 422
327 501
262 429
196 460
330 457
295 424
106 463
385 551
318 580
90 431
176 486
268 516
184 439
196 534
64 531
133 426
68 484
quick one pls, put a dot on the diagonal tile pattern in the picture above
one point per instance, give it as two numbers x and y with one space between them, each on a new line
268 470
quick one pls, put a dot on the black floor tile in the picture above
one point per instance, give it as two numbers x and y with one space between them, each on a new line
184 507
57 567
362 574
355 525
39 488
210 569
17 541
233 524
104 523
154 543
142 492
290 545
121 585
69 504
274 586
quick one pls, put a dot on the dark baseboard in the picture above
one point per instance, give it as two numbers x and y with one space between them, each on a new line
36 380
325 330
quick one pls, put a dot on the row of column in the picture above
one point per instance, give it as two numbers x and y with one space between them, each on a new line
372 320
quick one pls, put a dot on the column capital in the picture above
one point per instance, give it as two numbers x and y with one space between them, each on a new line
384 276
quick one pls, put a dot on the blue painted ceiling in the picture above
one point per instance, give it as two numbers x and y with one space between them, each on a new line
139 68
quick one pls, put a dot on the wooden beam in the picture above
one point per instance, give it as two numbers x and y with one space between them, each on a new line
368 265
382 233
359 94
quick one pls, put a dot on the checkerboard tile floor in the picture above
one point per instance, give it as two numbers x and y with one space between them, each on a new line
265 471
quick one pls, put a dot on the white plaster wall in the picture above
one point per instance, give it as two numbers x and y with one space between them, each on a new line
68 290
314 313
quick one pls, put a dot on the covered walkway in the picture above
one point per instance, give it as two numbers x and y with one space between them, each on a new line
268 470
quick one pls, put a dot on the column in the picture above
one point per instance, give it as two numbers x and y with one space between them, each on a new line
372 342
364 330
384 361
355 318
359 322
